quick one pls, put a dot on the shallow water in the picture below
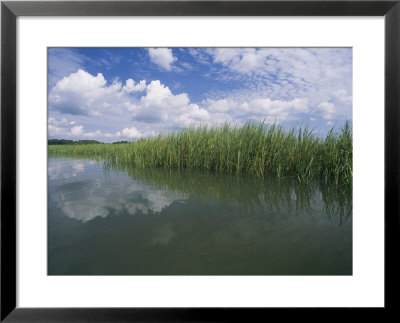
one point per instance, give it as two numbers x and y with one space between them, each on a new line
115 221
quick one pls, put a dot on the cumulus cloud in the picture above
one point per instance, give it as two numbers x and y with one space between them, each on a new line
222 105
153 104
81 93
60 127
81 81
77 130
84 94
76 93
68 129
130 86
55 131
60 123
160 105
131 132
163 57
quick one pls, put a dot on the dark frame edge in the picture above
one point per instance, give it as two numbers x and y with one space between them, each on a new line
8 293
392 153
8 310
203 8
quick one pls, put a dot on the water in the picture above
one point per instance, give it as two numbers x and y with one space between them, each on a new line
161 222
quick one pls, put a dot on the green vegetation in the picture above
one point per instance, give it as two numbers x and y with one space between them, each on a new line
254 149
71 142
121 142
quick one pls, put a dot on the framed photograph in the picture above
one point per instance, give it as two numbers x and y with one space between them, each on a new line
197 160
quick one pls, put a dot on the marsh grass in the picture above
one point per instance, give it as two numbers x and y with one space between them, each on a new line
254 149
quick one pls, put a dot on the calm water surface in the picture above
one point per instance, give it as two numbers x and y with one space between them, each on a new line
160 222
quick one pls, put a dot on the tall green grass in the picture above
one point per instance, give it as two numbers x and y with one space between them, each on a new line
254 149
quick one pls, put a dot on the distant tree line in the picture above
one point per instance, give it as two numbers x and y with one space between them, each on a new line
121 142
79 142
72 142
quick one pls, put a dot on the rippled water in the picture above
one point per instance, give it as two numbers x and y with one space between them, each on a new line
116 221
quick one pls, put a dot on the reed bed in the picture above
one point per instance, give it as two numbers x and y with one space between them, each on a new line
255 149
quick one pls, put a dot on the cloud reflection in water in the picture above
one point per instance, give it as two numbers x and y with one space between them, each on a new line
99 194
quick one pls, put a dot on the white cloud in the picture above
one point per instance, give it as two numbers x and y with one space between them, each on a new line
81 93
131 133
89 96
126 133
60 123
163 57
81 81
343 97
277 107
160 105
60 128
94 134
243 60
77 130
68 129
260 109
200 55
327 109
130 86
154 104
54 130
222 106
316 74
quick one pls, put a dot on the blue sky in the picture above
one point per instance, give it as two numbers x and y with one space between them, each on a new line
113 94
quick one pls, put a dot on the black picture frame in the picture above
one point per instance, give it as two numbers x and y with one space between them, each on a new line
10 10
